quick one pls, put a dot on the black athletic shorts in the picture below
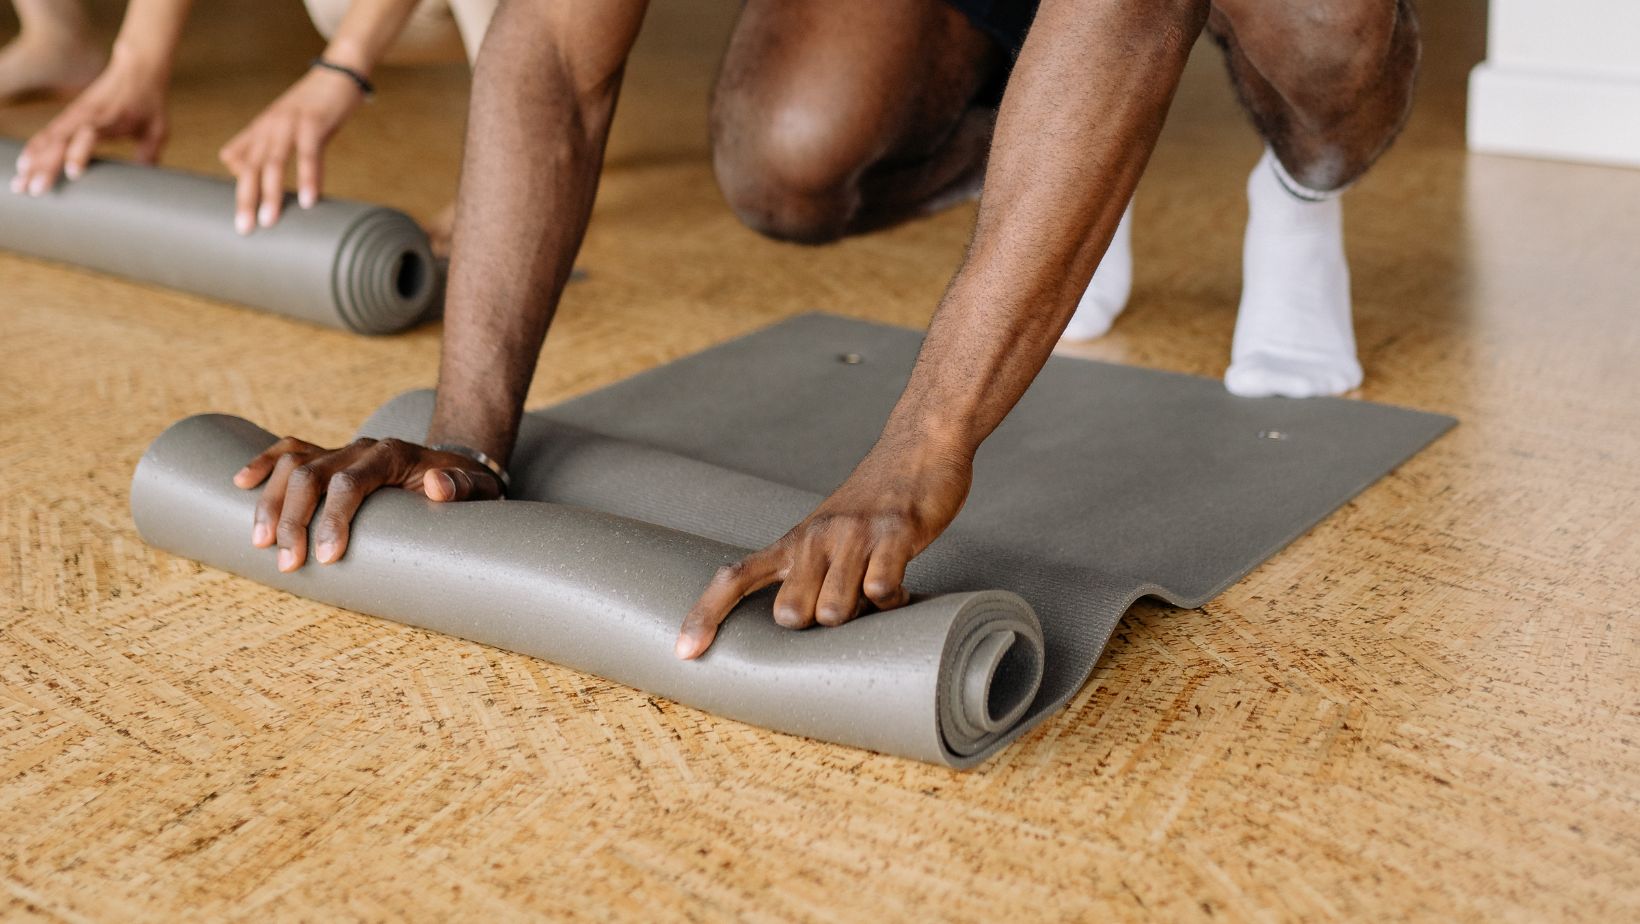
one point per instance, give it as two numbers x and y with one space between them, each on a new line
1006 22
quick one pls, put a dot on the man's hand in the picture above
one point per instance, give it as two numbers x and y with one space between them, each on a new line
126 101
852 549
299 473
296 126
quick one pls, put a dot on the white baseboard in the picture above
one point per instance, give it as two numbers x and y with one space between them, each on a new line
1556 116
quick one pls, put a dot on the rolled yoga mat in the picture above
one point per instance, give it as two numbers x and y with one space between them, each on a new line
1107 483
349 265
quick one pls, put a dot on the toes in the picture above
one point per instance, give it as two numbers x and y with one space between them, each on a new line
1265 376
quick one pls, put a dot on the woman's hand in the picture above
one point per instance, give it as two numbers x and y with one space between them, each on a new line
296 126
126 101
852 549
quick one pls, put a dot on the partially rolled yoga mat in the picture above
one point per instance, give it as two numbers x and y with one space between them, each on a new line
1107 483
349 265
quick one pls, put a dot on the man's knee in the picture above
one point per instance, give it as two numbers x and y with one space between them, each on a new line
788 169
1336 56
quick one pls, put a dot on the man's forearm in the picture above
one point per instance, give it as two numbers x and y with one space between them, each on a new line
1077 125
543 95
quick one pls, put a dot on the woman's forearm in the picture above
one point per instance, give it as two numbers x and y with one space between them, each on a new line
148 37
366 31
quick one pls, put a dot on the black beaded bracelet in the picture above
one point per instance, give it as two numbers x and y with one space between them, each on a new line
365 86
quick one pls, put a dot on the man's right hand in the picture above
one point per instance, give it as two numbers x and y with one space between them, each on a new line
299 473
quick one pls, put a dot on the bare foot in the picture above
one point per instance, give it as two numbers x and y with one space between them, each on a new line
440 229
32 65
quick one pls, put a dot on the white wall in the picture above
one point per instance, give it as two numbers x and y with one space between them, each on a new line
1561 80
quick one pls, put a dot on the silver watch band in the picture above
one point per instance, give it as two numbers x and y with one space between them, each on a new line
490 465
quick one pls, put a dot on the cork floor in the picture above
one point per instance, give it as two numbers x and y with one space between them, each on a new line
1424 709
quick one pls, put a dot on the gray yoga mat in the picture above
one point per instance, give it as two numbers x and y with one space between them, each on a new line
1107 483
349 265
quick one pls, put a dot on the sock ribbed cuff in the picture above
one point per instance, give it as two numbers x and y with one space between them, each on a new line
1296 189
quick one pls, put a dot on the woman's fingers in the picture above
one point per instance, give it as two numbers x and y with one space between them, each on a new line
45 162
78 153
309 165
273 183
258 157
152 139
244 198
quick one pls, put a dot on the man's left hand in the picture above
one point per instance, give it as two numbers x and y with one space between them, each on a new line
851 550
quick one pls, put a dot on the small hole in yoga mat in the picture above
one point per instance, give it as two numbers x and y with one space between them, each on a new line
1271 435
1014 681
409 276
851 359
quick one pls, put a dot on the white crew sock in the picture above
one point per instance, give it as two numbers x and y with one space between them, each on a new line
1107 292
1293 331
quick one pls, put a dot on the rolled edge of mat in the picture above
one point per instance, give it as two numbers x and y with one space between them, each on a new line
989 673
874 684
384 277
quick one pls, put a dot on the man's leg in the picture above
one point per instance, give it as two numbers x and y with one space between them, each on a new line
1328 85
839 117
53 53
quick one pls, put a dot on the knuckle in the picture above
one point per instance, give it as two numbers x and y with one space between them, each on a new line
395 446
290 530
730 573
889 522
831 614
363 442
303 475
344 482
790 618
820 525
881 591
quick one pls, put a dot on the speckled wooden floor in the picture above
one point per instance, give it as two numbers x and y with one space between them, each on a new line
1428 708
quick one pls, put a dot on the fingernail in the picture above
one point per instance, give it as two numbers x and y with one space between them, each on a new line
684 648
327 552
264 215
242 223
446 485
305 198
261 535
287 559
37 186
73 171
